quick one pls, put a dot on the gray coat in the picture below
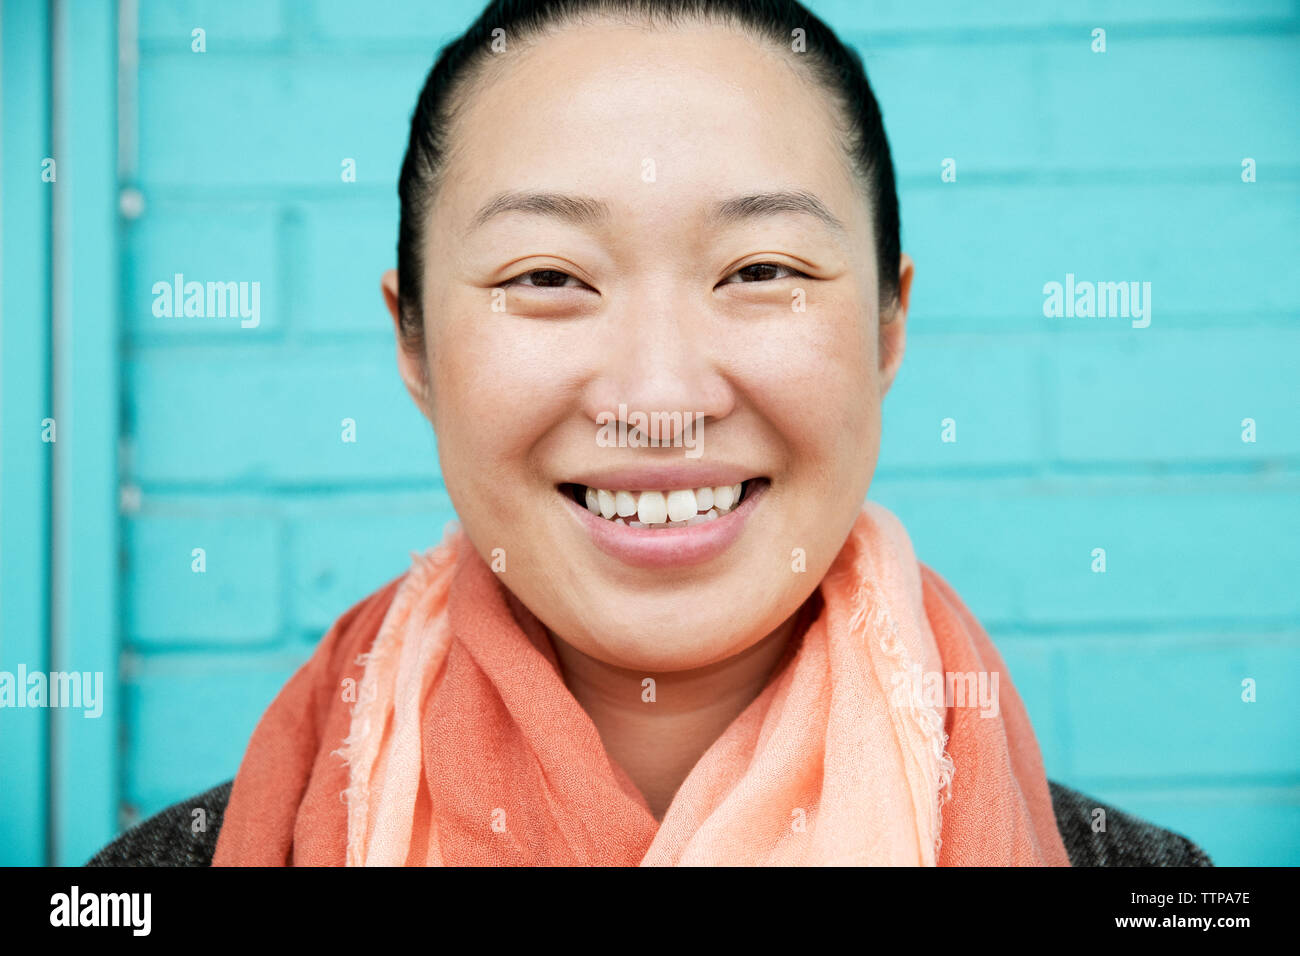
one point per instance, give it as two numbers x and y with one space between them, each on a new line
165 839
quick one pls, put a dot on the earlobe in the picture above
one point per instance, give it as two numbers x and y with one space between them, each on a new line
410 366
906 270
388 286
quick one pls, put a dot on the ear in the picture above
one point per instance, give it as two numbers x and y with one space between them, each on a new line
411 366
893 326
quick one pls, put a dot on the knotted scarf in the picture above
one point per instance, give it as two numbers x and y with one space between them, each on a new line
432 726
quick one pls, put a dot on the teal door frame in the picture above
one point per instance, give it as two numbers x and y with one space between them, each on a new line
59 345
25 402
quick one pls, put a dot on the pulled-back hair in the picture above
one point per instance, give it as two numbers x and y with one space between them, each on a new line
836 67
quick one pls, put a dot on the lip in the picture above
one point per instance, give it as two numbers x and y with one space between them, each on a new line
668 547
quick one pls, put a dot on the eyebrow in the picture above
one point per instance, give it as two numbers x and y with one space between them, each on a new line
742 208
586 211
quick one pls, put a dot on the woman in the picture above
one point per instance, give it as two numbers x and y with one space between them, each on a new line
650 296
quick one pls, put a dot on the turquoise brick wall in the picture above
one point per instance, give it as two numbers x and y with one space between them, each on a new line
1073 434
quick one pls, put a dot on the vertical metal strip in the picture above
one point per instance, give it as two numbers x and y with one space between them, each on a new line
128 73
24 407
58 348
86 320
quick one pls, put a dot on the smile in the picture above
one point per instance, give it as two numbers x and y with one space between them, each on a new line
664 527
661 509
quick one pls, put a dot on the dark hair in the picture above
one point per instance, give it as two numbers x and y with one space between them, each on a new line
838 68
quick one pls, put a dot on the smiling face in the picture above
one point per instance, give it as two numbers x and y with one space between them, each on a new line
646 222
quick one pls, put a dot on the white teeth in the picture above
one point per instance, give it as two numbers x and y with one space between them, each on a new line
673 508
681 505
606 500
652 509
723 496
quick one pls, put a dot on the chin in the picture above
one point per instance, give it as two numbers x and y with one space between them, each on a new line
662 650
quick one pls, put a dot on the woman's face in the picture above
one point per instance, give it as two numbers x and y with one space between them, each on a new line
646 284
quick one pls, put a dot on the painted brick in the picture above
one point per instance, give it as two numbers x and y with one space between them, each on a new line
401 21
1006 108
204 243
1000 107
346 247
165 24
236 600
211 121
1178 237
1178 396
189 718
1176 556
986 384
254 417
348 21
1177 552
1171 707
341 551
904 15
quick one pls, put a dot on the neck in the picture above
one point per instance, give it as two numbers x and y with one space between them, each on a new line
658 743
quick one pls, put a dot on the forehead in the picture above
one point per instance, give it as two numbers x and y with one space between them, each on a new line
608 108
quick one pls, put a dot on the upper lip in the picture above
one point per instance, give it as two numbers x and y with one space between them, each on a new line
665 477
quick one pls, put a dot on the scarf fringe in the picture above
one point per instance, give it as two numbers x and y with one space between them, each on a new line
871 616
360 749
872 625
920 725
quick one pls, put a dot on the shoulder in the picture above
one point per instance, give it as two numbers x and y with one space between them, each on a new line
177 836
169 838
1125 840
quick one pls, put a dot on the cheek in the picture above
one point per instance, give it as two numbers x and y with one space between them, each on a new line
816 379
499 385
470 400
496 385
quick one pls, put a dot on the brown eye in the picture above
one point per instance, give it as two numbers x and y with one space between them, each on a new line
542 278
762 272
758 272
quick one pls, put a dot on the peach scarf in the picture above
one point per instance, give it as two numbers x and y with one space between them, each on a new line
432 726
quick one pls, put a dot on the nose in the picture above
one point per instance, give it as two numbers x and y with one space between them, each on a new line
663 357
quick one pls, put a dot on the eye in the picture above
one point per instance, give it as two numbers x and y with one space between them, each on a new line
544 279
762 272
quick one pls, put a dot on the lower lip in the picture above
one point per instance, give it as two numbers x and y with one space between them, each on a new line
668 547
